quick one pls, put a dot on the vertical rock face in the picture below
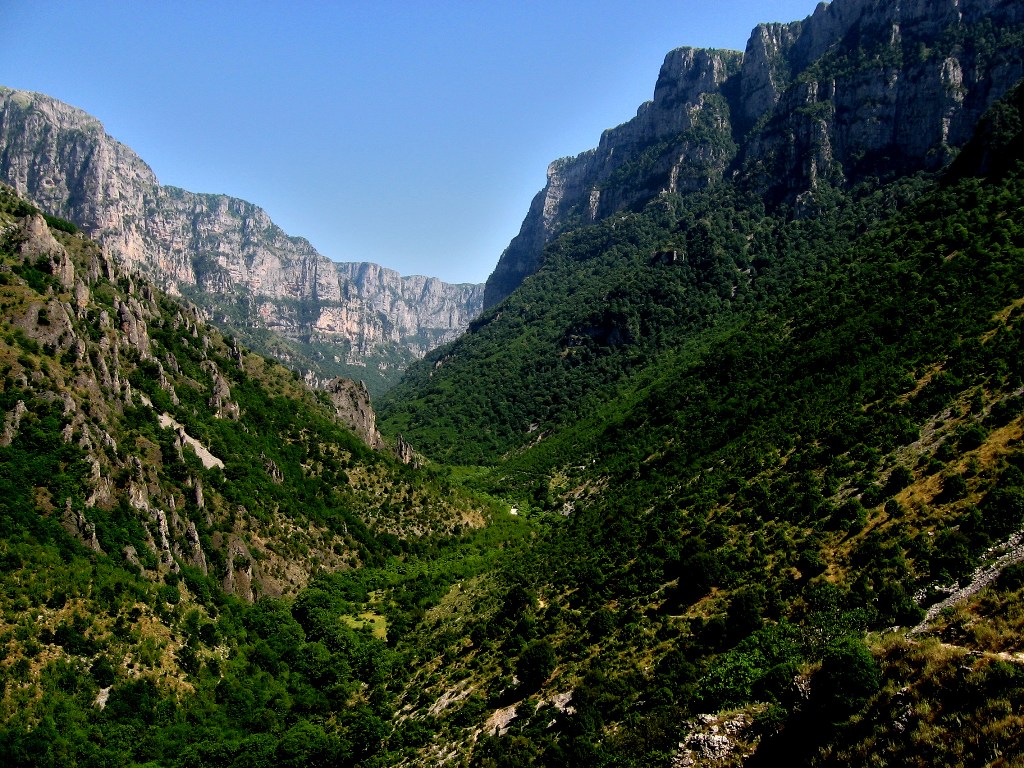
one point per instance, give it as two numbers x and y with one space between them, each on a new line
223 253
860 88
418 312
352 405
665 147
872 89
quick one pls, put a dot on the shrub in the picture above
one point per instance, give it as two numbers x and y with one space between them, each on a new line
899 479
1012 577
972 437
1003 510
601 623
535 664
953 487
849 676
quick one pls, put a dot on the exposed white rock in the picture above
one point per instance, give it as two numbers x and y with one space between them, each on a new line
12 423
195 554
220 397
715 740
998 557
449 697
102 697
209 460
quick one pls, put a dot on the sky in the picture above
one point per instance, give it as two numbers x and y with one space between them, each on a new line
408 133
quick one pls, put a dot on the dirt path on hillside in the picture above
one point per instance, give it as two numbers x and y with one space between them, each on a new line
1009 552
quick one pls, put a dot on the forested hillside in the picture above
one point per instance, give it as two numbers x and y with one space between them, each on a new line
162 490
731 478
751 505
723 560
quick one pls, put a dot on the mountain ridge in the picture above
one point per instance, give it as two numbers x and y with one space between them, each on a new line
226 254
806 103
709 468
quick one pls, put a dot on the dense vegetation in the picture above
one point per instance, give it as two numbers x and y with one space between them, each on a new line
737 500
705 473
609 299
180 526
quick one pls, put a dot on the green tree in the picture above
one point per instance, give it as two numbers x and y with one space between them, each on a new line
535 664
849 676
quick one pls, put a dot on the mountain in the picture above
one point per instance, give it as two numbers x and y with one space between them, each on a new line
781 500
122 405
858 94
735 477
768 420
273 291
165 497
859 89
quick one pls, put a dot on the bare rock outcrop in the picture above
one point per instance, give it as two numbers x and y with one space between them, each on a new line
405 452
133 325
240 579
194 550
12 423
78 526
35 240
352 406
716 740
220 396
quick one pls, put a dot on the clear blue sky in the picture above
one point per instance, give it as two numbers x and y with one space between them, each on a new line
413 134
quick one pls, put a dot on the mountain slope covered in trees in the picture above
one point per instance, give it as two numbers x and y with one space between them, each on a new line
748 520
723 546
858 91
730 479
162 489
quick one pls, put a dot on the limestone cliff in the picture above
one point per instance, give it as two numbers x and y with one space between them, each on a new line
861 88
678 142
226 254
352 406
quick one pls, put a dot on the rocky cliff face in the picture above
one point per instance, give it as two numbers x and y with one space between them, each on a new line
352 406
224 253
860 88
678 142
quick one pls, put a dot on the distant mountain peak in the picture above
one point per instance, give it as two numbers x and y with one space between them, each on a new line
226 254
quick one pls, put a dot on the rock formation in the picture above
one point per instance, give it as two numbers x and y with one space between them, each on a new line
352 405
405 452
223 253
183 449
860 88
